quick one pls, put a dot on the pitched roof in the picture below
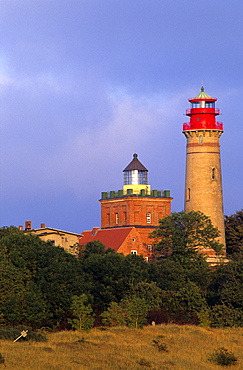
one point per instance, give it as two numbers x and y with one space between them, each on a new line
111 238
50 230
135 164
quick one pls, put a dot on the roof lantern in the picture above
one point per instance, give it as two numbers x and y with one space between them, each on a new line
135 173
202 113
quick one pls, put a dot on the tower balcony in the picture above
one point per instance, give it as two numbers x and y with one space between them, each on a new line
203 126
190 111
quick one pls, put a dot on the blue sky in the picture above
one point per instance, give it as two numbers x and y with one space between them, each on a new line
84 84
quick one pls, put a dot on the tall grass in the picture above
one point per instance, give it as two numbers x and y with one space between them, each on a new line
189 347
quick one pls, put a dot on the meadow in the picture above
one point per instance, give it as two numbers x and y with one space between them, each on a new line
182 348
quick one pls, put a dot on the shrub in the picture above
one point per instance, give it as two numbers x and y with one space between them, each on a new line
2 359
161 346
143 362
223 357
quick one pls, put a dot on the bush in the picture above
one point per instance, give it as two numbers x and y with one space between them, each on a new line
143 362
223 357
2 359
161 346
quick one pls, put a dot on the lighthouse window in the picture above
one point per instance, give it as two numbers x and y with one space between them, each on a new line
213 173
188 194
200 140
210 104
196 104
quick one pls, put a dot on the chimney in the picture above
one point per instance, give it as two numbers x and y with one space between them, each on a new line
42 226
95 230
28 225
20 227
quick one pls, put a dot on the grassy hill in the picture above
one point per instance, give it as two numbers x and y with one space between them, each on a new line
121 348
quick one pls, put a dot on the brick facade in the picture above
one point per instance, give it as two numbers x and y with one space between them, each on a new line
145 211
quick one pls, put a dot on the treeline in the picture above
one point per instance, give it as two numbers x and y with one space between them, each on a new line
43 286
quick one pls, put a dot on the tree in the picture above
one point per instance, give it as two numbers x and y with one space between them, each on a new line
83 313
150 292
234 235
181 236
114 316
37 279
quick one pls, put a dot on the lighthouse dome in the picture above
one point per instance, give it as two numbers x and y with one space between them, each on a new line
135 173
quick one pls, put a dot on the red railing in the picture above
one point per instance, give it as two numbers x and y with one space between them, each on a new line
202 110
215 126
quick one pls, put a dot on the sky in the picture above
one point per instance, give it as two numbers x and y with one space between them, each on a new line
84 84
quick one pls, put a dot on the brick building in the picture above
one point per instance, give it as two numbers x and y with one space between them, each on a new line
129 215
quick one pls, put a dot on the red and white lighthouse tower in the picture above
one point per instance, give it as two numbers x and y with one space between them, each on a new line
203 188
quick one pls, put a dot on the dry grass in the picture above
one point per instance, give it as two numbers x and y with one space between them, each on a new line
123 348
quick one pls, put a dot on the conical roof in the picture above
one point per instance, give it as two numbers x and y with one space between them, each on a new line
135 164
202 95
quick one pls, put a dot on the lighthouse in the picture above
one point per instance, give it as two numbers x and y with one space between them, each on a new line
203 185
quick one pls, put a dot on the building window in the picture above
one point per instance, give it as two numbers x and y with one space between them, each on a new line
134 251
116 218
149 247
133 239
148 217
146 259
108 219
213 174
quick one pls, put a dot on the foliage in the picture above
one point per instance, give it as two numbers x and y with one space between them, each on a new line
114 316
223 357
37 279
2 359
130 311
136 310
234 235
83 313
223 315
150 292
144 362
227 285
160 345
95 247
181 235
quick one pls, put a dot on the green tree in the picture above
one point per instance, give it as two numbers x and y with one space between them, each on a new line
234 235
115 315
37 279
149 291
136 310
181 236
83 313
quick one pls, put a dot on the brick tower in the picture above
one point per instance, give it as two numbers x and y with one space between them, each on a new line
136 204
203 188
